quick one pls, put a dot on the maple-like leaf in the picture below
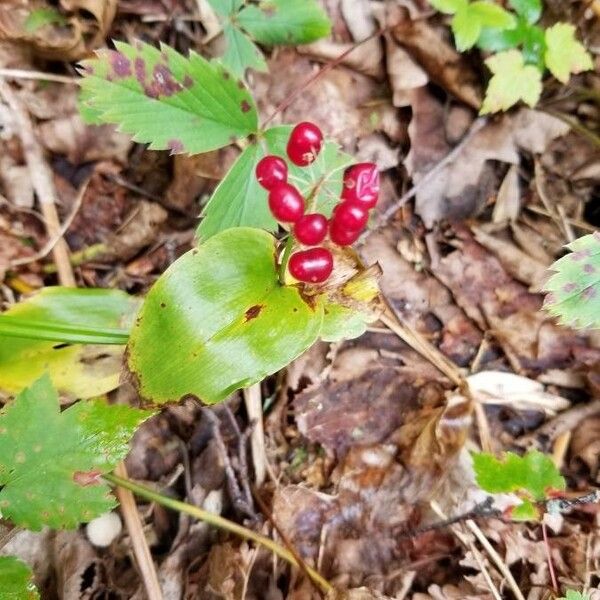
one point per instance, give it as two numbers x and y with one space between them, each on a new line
470 20
51 462
533 474
564 53
241 52
574 289
512 82
166 100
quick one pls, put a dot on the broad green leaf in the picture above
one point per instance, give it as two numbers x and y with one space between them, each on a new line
323 179
533 474
574 289
512 82
498 40
226 8
218 320
564 53
530 10
342 323
286 22
470 20
526 511
77 371
573 595
16 580
241 52
529 37
448 7
42 16
166 100
239 201
51 462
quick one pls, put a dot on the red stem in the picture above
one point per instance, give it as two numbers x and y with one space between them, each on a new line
549 556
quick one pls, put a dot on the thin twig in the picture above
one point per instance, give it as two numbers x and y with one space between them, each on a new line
476 126
49 245
38 76
549 558
253 402
42 181
138 539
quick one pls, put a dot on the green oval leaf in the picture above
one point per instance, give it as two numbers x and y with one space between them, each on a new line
16 580
288 22
51 462
219 320
169 101
57 313
574 289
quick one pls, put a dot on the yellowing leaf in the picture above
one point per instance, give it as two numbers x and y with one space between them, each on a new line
512 82
564 53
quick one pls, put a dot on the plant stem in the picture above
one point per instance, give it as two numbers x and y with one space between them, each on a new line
285 258
217 521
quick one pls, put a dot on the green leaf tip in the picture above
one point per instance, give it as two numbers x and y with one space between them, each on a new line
185 105
51 462
533 474
573 291
573 595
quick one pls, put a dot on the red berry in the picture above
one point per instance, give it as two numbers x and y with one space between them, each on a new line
361 184
311 266
311 229
341 236
286 203
304 144
271 171
351 216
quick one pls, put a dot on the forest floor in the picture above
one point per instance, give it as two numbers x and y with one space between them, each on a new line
365 441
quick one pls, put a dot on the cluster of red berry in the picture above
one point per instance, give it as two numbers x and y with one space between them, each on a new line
349 218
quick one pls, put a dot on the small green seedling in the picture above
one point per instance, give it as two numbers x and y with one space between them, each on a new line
532 477
574 289
523 50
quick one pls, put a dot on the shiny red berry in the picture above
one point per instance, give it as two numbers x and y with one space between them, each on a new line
271 171
286 203
311 229
350 215
342 236
304 144
361 184
311 266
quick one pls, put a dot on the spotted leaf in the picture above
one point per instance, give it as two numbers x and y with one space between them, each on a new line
166 100
574 289
218 320
16 580
51 462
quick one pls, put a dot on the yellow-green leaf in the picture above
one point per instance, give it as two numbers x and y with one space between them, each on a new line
513 81
564 53
16 580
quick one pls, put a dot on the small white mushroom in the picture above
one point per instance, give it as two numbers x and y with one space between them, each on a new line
103 530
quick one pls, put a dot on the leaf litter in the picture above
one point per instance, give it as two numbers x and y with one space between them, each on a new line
363 437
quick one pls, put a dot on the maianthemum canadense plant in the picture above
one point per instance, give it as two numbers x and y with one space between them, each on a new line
238 307
521 50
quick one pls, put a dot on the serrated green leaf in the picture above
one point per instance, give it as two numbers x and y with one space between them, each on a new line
498 40
166 100
448 7
529 37
239 201
76 370
526 511
241 52
564 53
530 10
218 320
226 8
574 289
16 580
533 474
512 82
470 20
51 462
286 22
40 17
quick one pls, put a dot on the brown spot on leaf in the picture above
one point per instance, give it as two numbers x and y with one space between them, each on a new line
240 84
253 312
86 478
121 65
589 268
226 75
188 82
175 146
580 255
569 287
163 305
245 106
589 293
